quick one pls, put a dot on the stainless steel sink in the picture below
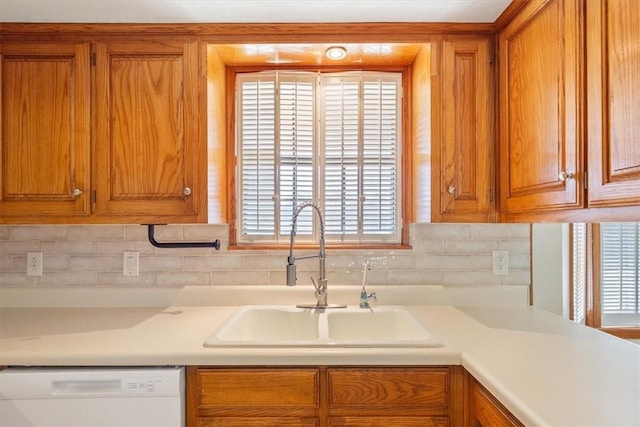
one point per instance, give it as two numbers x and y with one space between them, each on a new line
283 326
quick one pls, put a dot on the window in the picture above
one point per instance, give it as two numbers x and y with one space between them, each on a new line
332 138
619 257
606 276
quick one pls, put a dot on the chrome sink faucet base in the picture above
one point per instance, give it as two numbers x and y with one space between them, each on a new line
321 285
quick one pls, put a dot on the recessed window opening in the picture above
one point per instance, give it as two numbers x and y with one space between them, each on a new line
334 138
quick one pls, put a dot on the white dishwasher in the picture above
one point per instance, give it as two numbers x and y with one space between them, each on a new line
92 397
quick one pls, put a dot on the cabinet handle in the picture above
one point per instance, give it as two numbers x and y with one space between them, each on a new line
186 191
76 192
563 176
451 189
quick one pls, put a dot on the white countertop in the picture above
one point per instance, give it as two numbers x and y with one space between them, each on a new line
545 369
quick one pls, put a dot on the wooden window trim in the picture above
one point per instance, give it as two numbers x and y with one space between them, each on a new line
593 302
407 158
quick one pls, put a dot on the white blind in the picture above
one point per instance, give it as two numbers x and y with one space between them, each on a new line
579 271
340 147
362 116
620 273
296 151
257 133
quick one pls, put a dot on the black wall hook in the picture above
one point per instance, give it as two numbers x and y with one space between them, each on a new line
151 229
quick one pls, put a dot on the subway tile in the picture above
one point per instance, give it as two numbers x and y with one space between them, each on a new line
443 262
95 232
500 231
69 248
470 246
90 255
21 280
442 231
426 246
113 279
160 263
5 263
516 245
119 246
263 262
70 279
95 263
470 278
39 232
240 278
19 247
182 278
213 262
417 277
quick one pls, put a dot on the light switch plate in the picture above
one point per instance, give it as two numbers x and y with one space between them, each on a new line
130 263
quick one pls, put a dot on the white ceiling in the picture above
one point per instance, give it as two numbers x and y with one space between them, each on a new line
255 11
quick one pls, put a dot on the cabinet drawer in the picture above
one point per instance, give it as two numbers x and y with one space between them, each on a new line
388 421
224 388
419 388
258 422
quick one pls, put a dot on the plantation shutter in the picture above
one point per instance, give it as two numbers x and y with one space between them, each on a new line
579 272
339 146
296 160
620 273
361 120
257 137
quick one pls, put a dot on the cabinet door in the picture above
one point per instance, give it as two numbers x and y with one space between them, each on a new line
45 140
486 411
540 141
463 157
613 91
150 151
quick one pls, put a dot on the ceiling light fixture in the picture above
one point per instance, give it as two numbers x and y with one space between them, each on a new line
336 52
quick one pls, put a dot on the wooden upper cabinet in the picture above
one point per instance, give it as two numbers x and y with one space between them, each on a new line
540 145
613 108
150 154
45 139
463 154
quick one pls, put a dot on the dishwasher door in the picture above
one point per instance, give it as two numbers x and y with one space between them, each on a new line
92 397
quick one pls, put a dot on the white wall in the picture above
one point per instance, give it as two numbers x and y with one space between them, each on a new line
550 267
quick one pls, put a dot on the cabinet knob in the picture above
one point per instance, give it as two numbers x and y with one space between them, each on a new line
451 189
76 192
563 176
186 191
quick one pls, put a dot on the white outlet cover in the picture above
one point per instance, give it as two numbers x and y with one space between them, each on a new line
34 264
500 262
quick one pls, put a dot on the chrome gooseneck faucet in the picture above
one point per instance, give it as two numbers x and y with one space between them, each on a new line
321 285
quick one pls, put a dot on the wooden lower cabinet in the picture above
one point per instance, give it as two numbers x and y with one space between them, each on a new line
487 411
325 396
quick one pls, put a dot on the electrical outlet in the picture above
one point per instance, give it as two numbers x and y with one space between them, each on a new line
130 263
34 263
501 263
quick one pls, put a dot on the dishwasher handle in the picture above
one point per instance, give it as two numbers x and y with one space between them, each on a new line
89 387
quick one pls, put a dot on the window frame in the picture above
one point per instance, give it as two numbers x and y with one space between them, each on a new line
406 174
593 299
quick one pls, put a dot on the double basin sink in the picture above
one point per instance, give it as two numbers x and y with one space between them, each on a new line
286 326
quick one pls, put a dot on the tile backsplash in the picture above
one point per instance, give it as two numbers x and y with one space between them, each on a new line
91 256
